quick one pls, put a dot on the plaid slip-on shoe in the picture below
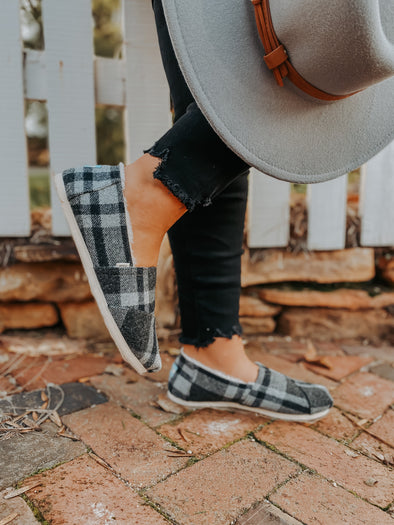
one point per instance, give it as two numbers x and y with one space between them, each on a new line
94 205
273 394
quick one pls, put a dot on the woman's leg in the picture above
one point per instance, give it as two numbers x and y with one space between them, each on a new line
186 168
206 242
207 248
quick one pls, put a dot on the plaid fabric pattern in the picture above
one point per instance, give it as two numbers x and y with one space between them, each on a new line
96 198
272 390
129 287
95 195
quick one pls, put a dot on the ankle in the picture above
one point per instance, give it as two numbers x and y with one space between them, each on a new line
227 356
153 209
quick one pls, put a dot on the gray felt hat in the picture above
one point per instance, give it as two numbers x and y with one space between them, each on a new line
338 46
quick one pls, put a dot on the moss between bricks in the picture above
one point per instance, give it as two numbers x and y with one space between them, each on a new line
36 512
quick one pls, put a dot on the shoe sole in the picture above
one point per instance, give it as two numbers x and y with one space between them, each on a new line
95 287
301 418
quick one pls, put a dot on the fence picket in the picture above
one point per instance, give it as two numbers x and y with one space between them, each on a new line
147 96
70 90
269 213
327 214
377 200
110 81
14 196
35 76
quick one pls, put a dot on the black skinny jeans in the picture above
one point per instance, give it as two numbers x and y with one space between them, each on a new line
211 180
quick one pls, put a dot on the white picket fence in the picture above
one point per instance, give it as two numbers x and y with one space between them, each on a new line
72 80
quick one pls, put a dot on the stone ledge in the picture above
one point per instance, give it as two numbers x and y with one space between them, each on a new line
386 268
27 315
45 281
253 307
342 298
83 320
274 265
331 324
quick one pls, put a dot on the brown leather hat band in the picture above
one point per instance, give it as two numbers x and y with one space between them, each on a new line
277 59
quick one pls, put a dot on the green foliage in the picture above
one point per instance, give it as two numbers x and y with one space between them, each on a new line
107 34
110 139
39 188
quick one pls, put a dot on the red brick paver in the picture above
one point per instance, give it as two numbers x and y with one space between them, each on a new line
336 425
134 450
5 386
332 460
216 490
315 500
207 430
365 395
340 366
295 370
135 393
374 448
63 371
384 428
350 465
84 492
267 514
16 506
383 353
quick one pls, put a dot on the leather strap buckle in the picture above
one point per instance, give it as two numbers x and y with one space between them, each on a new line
277 59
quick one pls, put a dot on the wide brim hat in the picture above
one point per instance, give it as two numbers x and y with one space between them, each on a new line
339 46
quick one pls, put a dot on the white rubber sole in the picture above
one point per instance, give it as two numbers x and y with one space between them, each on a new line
301 418
95 287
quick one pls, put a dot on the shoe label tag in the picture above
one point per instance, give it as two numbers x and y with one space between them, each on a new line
122 265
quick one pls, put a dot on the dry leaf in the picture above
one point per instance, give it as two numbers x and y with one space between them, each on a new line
191 432
173 351
378 456
178 453
44 397
22 490
26 421
351 453
115 370
9 518
169 406
311 353
61 432
99 460
178 456
185 438
55 418
44 405
83 379
312 357
35 416
14 425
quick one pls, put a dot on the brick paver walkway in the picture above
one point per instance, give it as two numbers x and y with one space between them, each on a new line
117 451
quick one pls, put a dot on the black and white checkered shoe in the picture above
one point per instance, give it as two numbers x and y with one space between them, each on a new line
93 202
273 394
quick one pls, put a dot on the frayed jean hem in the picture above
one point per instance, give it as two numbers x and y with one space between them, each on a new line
214 333
166 179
